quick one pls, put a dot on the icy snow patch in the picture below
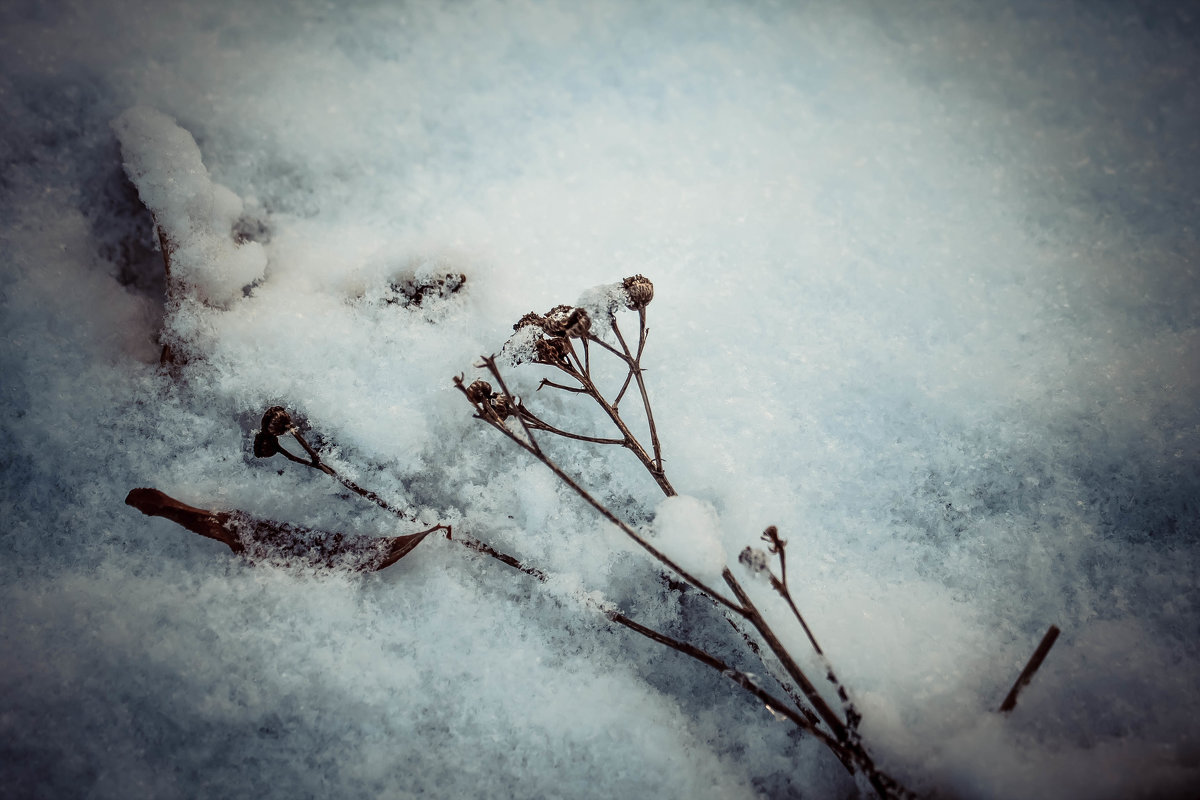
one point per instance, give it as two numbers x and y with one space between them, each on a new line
688 532
602 303
195 215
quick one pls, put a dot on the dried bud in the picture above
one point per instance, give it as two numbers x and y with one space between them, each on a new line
555 321
265 444
640 291
276 421
551 351
771 537
754 559
479 391
537 320
503 405
577 323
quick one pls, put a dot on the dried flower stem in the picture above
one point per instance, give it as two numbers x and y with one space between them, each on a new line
314 462
742 679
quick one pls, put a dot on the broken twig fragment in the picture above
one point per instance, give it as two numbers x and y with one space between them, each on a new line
278 543
1035 661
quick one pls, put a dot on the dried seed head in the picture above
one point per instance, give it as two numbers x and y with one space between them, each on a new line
503 405
754 559
555 321
551 351
577 323
640 291
276 421
479 391
265 444
537 320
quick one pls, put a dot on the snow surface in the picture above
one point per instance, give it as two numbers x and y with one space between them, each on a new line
925 298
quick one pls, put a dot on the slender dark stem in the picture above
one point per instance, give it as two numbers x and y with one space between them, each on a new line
752 615
636 368
597 340
317 463
624 386
542 425
784 684
532 446
781 586
1035 661
554 385
848 708
738 677
631 441
806 722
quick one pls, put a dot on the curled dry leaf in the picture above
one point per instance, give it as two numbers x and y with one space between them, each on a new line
278 543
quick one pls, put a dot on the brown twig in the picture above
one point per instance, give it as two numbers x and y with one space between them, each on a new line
1035 661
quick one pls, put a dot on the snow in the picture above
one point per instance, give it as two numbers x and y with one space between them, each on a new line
196 216
925 298
687 530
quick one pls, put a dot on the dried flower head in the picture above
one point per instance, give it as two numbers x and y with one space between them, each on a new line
479 391
537 320
265 444
276 421
756 560
577 323
554 323
503 405
551 351
640 291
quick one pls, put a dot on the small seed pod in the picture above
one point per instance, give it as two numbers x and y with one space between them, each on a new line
756 560
578 323
550 351
537 320
265 444
479 391
503 405
276 421
640 291
555 321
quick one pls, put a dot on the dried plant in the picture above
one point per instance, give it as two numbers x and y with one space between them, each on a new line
565 340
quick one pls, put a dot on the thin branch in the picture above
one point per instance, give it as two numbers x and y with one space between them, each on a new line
853 717
596 339
554 385
317 463
637 376
542 425
789 664
624 386
803 720
1035 661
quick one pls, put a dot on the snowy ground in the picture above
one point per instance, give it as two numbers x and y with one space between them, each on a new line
927 299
